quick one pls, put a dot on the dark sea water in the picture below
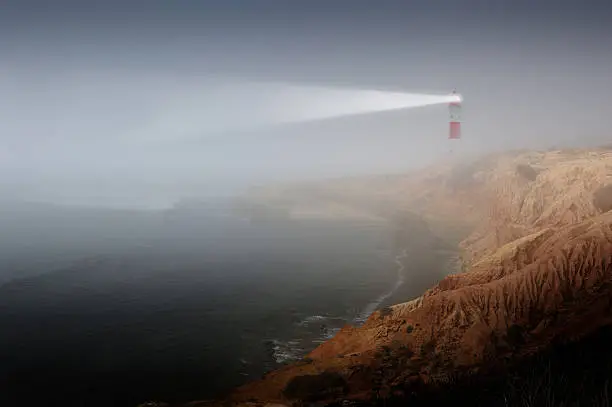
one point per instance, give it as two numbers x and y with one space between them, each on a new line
188 309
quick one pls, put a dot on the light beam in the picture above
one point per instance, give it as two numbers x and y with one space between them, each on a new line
244 106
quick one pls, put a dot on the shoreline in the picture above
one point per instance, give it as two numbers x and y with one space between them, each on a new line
290 351
373 306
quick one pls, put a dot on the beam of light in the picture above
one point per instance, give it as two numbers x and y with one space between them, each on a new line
91 110
248 106
292 103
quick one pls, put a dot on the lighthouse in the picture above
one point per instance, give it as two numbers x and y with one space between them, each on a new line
455 118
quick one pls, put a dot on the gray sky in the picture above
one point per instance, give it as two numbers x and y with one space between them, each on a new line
85 87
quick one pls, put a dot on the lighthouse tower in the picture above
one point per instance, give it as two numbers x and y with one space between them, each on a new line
455 118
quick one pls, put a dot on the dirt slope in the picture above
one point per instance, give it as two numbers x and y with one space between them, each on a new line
538 269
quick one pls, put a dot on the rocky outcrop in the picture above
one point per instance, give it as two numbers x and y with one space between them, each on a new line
538 270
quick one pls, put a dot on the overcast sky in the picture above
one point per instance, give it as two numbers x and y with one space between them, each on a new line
97 98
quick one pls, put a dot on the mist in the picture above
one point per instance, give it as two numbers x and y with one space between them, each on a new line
135 109
138 106
133 268
142 132
231 106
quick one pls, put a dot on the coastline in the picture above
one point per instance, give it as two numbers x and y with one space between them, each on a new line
293 350
373 306
511 287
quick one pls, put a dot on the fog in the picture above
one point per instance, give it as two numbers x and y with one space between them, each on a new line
120 131
109 108
138 105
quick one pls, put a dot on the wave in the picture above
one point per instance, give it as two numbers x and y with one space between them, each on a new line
310 332
293 350
371 307
313 318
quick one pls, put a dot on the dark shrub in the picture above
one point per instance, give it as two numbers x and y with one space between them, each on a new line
515 336
527 171
602 198
385 311
315 387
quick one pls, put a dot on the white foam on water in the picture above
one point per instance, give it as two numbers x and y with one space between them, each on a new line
331 333
284 352
295 349
371 307
305 339
313 318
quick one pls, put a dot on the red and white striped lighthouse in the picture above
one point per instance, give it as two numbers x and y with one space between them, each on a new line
455 118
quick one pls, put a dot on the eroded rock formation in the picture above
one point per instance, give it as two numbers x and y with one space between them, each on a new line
538 268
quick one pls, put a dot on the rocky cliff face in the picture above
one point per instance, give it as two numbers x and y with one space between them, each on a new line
538 269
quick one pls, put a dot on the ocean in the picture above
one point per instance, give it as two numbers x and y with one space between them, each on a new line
189 309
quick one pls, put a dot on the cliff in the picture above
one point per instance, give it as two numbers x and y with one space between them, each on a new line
537 270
